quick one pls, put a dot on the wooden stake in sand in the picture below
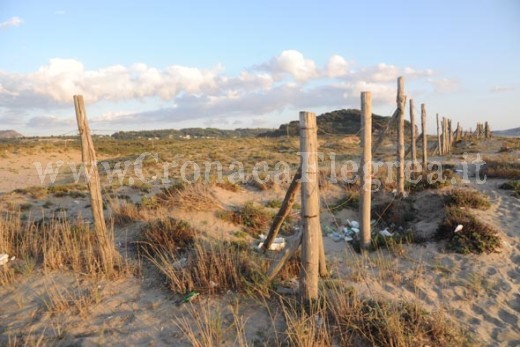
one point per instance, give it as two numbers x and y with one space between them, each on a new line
439 142
285 209
413 135
424 138
88 156
311 238
400 136
366 167
487 131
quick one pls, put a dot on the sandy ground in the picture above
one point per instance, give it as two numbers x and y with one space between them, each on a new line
482 292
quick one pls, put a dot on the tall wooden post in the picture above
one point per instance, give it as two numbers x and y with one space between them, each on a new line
309 272
450 136
400 136
458 134
413 135
424 138
366 167
88 156
487 130
444 136
439 143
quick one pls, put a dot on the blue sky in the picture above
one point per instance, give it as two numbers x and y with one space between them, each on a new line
228 64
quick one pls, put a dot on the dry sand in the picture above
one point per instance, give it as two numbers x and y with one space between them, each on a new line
481 292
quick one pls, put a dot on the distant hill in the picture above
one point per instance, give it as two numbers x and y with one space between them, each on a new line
9 134
188 133
335 122
515 132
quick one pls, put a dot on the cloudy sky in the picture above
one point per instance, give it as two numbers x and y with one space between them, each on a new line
228 64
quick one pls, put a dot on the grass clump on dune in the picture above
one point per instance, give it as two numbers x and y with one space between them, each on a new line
468 198
475 236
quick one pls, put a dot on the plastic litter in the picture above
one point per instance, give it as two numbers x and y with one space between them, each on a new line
277 245
458 228
190 296
4 258
385 233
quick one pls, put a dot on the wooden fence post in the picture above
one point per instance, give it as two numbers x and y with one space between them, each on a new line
366 167
400 136
413 135
487 130
88 156
450 137
425 138
309 273
439 143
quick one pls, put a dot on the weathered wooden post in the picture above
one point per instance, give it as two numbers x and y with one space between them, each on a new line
366 167
309 272
424 138
450 136
444 136
413 135
487 130
458 134
400 136
88 156
439 142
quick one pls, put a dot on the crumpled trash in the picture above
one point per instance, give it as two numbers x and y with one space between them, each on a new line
385 233
190 296
277 245
4 258
458 228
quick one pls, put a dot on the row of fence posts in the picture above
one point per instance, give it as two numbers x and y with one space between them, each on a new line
306 179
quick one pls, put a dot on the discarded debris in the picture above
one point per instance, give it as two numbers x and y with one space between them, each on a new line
190 297
4 258
277 245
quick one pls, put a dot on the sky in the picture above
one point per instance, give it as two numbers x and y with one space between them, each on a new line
239 64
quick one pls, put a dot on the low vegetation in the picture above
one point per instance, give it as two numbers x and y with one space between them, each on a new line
254 218
467 198
475 236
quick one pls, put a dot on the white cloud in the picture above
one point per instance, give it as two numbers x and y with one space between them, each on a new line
503 88
287 81
337 66
445 85
11 22
291 63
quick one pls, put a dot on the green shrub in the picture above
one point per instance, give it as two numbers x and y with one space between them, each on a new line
468 198
475 237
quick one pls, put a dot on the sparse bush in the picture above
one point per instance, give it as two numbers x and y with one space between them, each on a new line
512 185
431 180
57 243
211 268
194 197
475 237
468 198
254 218
170 233
508 167
274 203
349 200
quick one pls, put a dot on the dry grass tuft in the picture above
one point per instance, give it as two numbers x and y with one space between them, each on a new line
467 198
194 197
255 219
211 268
170 234
505 167
58 243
